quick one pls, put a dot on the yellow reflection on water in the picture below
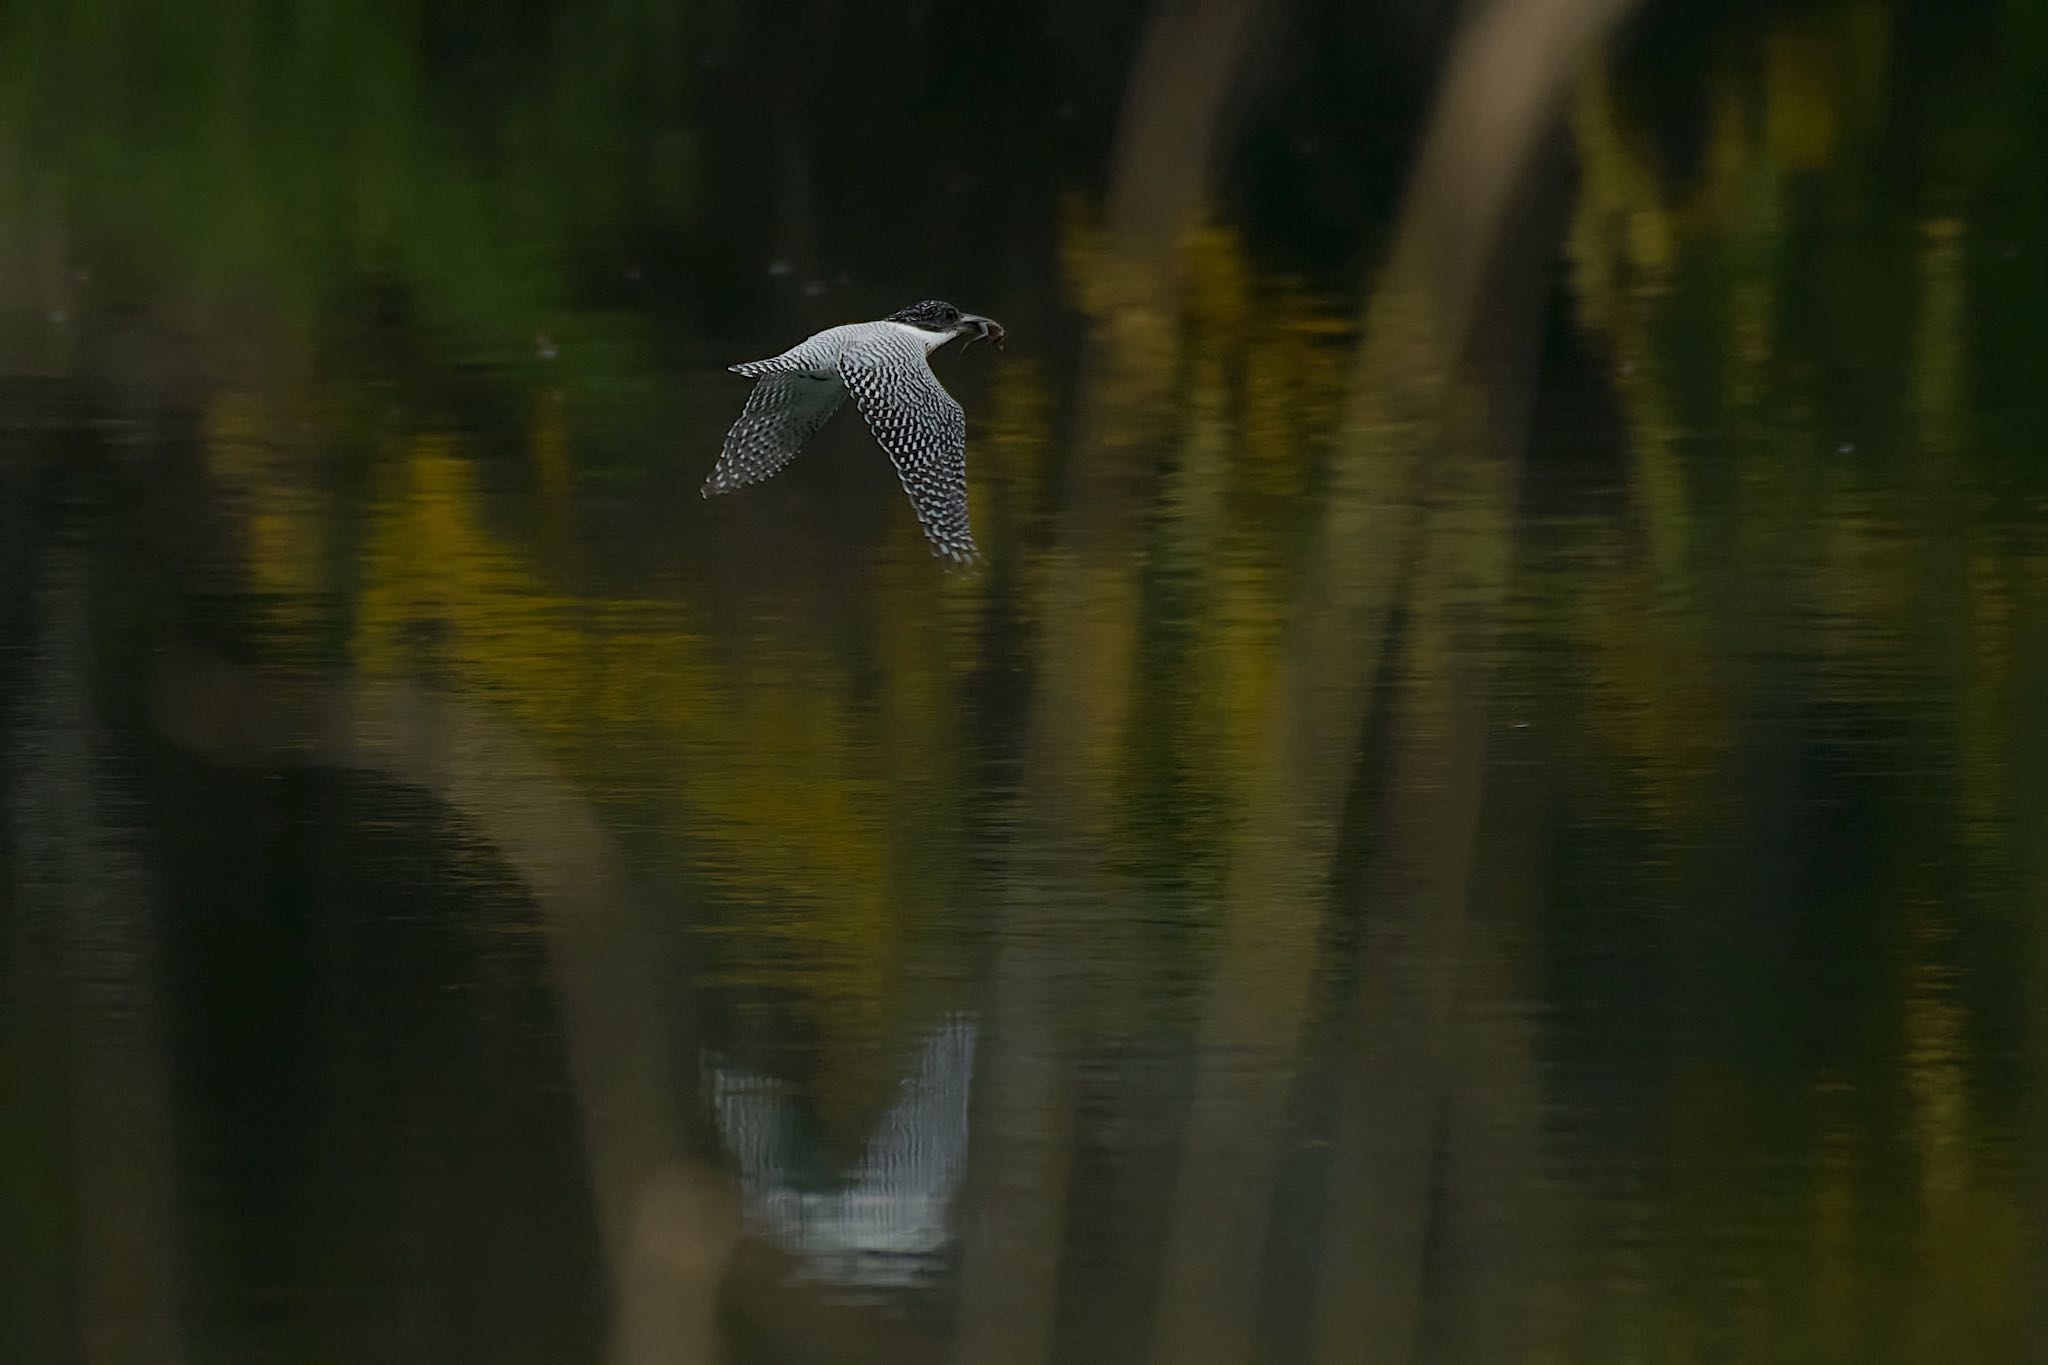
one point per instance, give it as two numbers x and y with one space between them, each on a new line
779 796
285 514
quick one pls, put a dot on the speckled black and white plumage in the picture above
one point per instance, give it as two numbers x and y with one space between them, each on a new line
884 366
782 412
922 428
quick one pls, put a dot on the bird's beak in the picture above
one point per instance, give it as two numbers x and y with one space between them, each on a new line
983 329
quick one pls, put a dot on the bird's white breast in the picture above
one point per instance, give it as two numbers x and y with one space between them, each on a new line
931 340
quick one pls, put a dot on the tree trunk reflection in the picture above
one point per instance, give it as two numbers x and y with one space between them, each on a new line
666 1222
1191 60
1413 433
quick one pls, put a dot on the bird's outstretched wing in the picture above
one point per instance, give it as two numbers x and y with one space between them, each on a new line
782 412
922 428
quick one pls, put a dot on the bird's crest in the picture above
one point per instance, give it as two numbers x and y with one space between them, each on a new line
934 315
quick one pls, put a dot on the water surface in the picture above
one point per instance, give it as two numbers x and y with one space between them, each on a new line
1487 802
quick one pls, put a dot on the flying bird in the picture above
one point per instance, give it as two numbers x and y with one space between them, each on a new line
884 366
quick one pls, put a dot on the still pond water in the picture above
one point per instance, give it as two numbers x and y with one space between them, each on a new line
1489 800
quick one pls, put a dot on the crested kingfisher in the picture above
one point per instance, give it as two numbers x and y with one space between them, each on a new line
884 366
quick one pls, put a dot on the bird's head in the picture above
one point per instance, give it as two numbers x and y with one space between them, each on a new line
935 315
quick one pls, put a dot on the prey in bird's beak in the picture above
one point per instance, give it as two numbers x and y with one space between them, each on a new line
984 329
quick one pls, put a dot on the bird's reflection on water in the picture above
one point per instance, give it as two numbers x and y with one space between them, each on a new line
886 1222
